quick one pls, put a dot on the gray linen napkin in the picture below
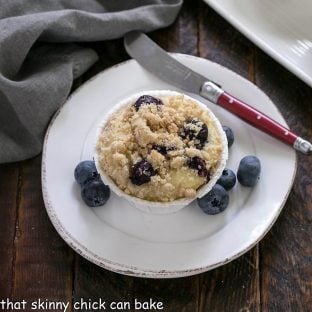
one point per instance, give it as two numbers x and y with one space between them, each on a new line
36 79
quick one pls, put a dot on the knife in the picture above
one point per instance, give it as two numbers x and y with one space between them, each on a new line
147 53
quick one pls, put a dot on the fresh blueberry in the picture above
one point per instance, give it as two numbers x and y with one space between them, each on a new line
95 193
85 171
195 130
146 99
248 172
229 135
227 179
141 172
198 164
215 201
163 149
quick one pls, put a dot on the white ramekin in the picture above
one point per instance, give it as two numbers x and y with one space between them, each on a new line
161 207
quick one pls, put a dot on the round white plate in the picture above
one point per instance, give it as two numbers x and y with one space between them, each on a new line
123 239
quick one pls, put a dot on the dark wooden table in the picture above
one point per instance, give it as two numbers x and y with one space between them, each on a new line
274 276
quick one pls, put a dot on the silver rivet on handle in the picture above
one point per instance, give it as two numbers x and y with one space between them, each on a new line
211 91
303 146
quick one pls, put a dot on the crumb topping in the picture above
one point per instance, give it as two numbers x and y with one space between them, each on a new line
160 150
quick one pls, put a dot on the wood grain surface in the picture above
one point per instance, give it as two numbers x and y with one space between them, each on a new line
274 276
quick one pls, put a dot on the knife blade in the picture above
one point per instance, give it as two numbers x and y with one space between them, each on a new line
153 58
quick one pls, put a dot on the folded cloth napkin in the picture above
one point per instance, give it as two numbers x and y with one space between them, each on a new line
39 59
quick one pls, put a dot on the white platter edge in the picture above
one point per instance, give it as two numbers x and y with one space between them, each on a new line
263 45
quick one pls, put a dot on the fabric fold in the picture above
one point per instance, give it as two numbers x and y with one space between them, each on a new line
39 60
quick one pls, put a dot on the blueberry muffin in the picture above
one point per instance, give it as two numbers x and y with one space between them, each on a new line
161 146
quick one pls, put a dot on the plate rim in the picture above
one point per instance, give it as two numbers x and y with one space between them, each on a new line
128 269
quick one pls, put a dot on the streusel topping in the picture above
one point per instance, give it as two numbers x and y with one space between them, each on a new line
160 149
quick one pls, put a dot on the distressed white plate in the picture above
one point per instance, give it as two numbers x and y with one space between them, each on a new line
124 239
281 28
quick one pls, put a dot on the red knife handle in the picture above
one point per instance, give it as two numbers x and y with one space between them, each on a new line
215 94
256 118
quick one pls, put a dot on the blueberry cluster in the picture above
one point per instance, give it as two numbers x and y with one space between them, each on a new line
192 130
229 135
163 149
146 100
195 130
199 164
248 174
93 191
141 172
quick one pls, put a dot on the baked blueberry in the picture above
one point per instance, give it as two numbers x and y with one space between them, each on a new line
195 130
163 149
215 201
141 172
95 193
85 171
146 99
229 135
227 179
198 164
248 172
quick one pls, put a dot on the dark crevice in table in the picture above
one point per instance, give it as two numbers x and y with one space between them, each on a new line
8 204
